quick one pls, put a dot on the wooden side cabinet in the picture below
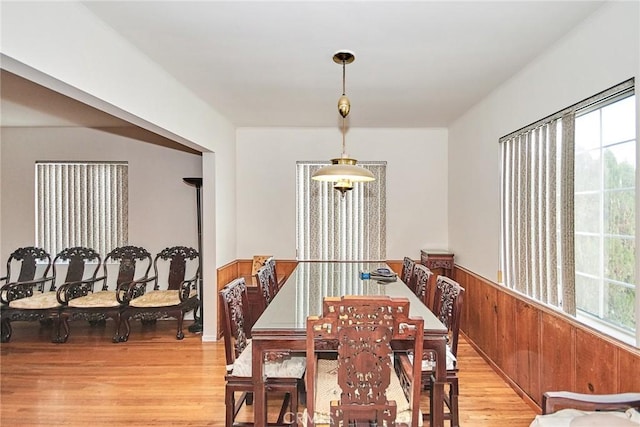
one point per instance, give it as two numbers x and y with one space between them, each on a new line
435 259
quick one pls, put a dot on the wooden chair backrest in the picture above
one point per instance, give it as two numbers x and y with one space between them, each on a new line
77 258
268 287
407 271
363 328
127 258
28 258
234 303
422 278
448 308
178 258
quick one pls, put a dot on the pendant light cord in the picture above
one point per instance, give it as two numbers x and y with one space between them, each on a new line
344 92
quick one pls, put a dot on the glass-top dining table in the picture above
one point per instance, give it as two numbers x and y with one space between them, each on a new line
282 326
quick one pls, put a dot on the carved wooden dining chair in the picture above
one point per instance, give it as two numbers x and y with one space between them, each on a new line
45 304
27 269
448 308
360 386
284 373
407 271
121 266
170 292
421 279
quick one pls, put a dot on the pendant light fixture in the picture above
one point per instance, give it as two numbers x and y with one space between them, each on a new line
343 170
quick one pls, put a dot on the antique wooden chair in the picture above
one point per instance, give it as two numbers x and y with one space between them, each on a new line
82 265
448 309
360 387
422 278
27 269
564 409
283 374
170 292
407 271
121 266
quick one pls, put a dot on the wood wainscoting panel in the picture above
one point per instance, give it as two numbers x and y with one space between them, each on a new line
472 323
596 364
224 275
506 349
489 316
558 351
551 350
629 369
528 349
395 265
466 323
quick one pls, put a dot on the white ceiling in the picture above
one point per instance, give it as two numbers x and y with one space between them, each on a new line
267 63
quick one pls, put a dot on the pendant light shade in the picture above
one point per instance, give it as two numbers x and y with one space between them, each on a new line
343 171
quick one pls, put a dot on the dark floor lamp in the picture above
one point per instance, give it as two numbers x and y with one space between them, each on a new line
197 324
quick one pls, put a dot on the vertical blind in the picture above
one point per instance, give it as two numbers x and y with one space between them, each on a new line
81 204
332 227
537 212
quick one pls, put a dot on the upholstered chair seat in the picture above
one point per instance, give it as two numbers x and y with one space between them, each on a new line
291 367
327 390
160 298
39 301
96 299
430 365
578 418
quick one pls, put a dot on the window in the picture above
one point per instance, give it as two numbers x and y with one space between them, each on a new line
568 201
605 194
330 226
81 204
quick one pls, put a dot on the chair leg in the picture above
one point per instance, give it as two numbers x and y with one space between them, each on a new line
127 329
295 394
179 333
453 399
6 331
116 334
60 320
286 403
230 406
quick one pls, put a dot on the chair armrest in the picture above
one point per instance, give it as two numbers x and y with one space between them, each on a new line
71 290
17 290
555 400
130 290
185 288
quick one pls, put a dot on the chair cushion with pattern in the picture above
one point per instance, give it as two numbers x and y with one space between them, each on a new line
96 299
327 389
39 301
577 418
429 365
292 367
164 298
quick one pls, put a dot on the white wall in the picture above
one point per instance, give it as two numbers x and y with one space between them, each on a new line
162 207
601 52
416 184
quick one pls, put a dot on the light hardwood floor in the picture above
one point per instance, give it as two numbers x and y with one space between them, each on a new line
155 380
